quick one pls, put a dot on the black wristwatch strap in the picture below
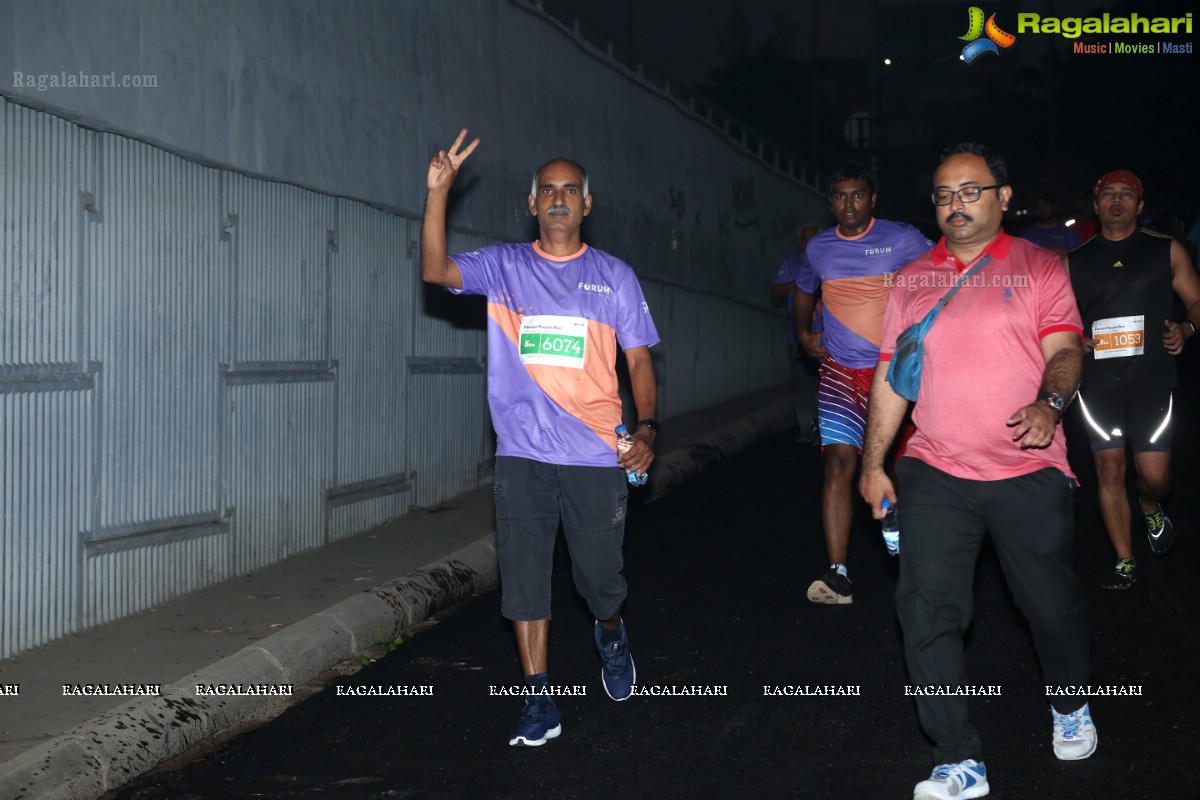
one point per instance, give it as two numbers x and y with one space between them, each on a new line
648 422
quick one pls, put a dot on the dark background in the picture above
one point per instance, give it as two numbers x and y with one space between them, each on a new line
796 72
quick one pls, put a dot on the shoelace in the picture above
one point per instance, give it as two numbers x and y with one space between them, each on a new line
1154 521
956 771
1071 724
616 659
531 712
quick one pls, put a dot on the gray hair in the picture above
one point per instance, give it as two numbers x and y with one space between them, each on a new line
533 183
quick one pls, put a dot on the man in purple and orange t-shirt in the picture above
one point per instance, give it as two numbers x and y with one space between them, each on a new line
999 363
852 263
558 311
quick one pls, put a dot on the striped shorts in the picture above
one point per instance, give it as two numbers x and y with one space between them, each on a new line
842 403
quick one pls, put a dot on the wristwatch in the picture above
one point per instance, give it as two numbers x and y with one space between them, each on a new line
650 423
1055 401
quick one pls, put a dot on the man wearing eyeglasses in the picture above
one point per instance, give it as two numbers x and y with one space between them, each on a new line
852 263
1123 280
1000 362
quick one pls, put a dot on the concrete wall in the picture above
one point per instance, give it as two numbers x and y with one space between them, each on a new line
349 98
215 353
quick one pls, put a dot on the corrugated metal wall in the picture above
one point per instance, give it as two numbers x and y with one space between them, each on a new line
203 372
373 296
445 359
154 274
47 385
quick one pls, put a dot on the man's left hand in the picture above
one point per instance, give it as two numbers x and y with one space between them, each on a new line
1034 425
1175 336
639 457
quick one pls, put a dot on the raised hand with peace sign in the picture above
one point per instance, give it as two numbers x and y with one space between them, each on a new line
444 164
436 266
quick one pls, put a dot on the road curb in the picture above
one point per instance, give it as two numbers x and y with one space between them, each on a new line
115 747
118 745
679 465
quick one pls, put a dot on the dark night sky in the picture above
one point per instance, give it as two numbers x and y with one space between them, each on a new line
1061 118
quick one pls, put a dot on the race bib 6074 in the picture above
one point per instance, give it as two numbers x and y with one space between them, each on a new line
555 341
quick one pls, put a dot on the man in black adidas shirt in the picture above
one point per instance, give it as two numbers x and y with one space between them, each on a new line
1123 280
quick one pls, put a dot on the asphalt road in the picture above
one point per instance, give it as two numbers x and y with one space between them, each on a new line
718 571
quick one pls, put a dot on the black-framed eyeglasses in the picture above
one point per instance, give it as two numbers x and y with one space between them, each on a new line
969 194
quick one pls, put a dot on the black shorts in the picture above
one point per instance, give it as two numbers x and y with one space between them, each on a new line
1135 418
531 497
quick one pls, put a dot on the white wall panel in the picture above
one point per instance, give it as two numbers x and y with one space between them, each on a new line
45 163
280 453
281 251
45 464
156 276
373 288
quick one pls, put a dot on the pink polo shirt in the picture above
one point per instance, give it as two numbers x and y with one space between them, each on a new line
983 357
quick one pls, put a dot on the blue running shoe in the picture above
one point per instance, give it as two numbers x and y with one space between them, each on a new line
618 673
961 781
539 722
1074 734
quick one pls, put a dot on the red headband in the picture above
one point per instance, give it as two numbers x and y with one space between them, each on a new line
1119 176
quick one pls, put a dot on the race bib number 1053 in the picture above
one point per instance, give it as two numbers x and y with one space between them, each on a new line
555 341
1119 337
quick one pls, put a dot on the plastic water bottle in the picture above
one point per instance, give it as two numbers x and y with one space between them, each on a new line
624 442
891 528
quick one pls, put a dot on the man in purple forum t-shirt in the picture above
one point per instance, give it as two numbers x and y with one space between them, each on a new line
558 310
852 263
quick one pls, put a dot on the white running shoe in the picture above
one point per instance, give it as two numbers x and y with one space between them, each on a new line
1074 734
961 781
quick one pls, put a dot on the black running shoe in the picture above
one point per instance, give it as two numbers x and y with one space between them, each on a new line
833 588
1123 575
1159 531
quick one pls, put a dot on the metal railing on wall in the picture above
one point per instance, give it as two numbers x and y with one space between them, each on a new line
770 154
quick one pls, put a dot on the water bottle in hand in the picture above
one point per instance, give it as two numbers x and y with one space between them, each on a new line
624 443
891 528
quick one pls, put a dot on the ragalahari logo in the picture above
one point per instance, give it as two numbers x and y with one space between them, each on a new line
996 38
